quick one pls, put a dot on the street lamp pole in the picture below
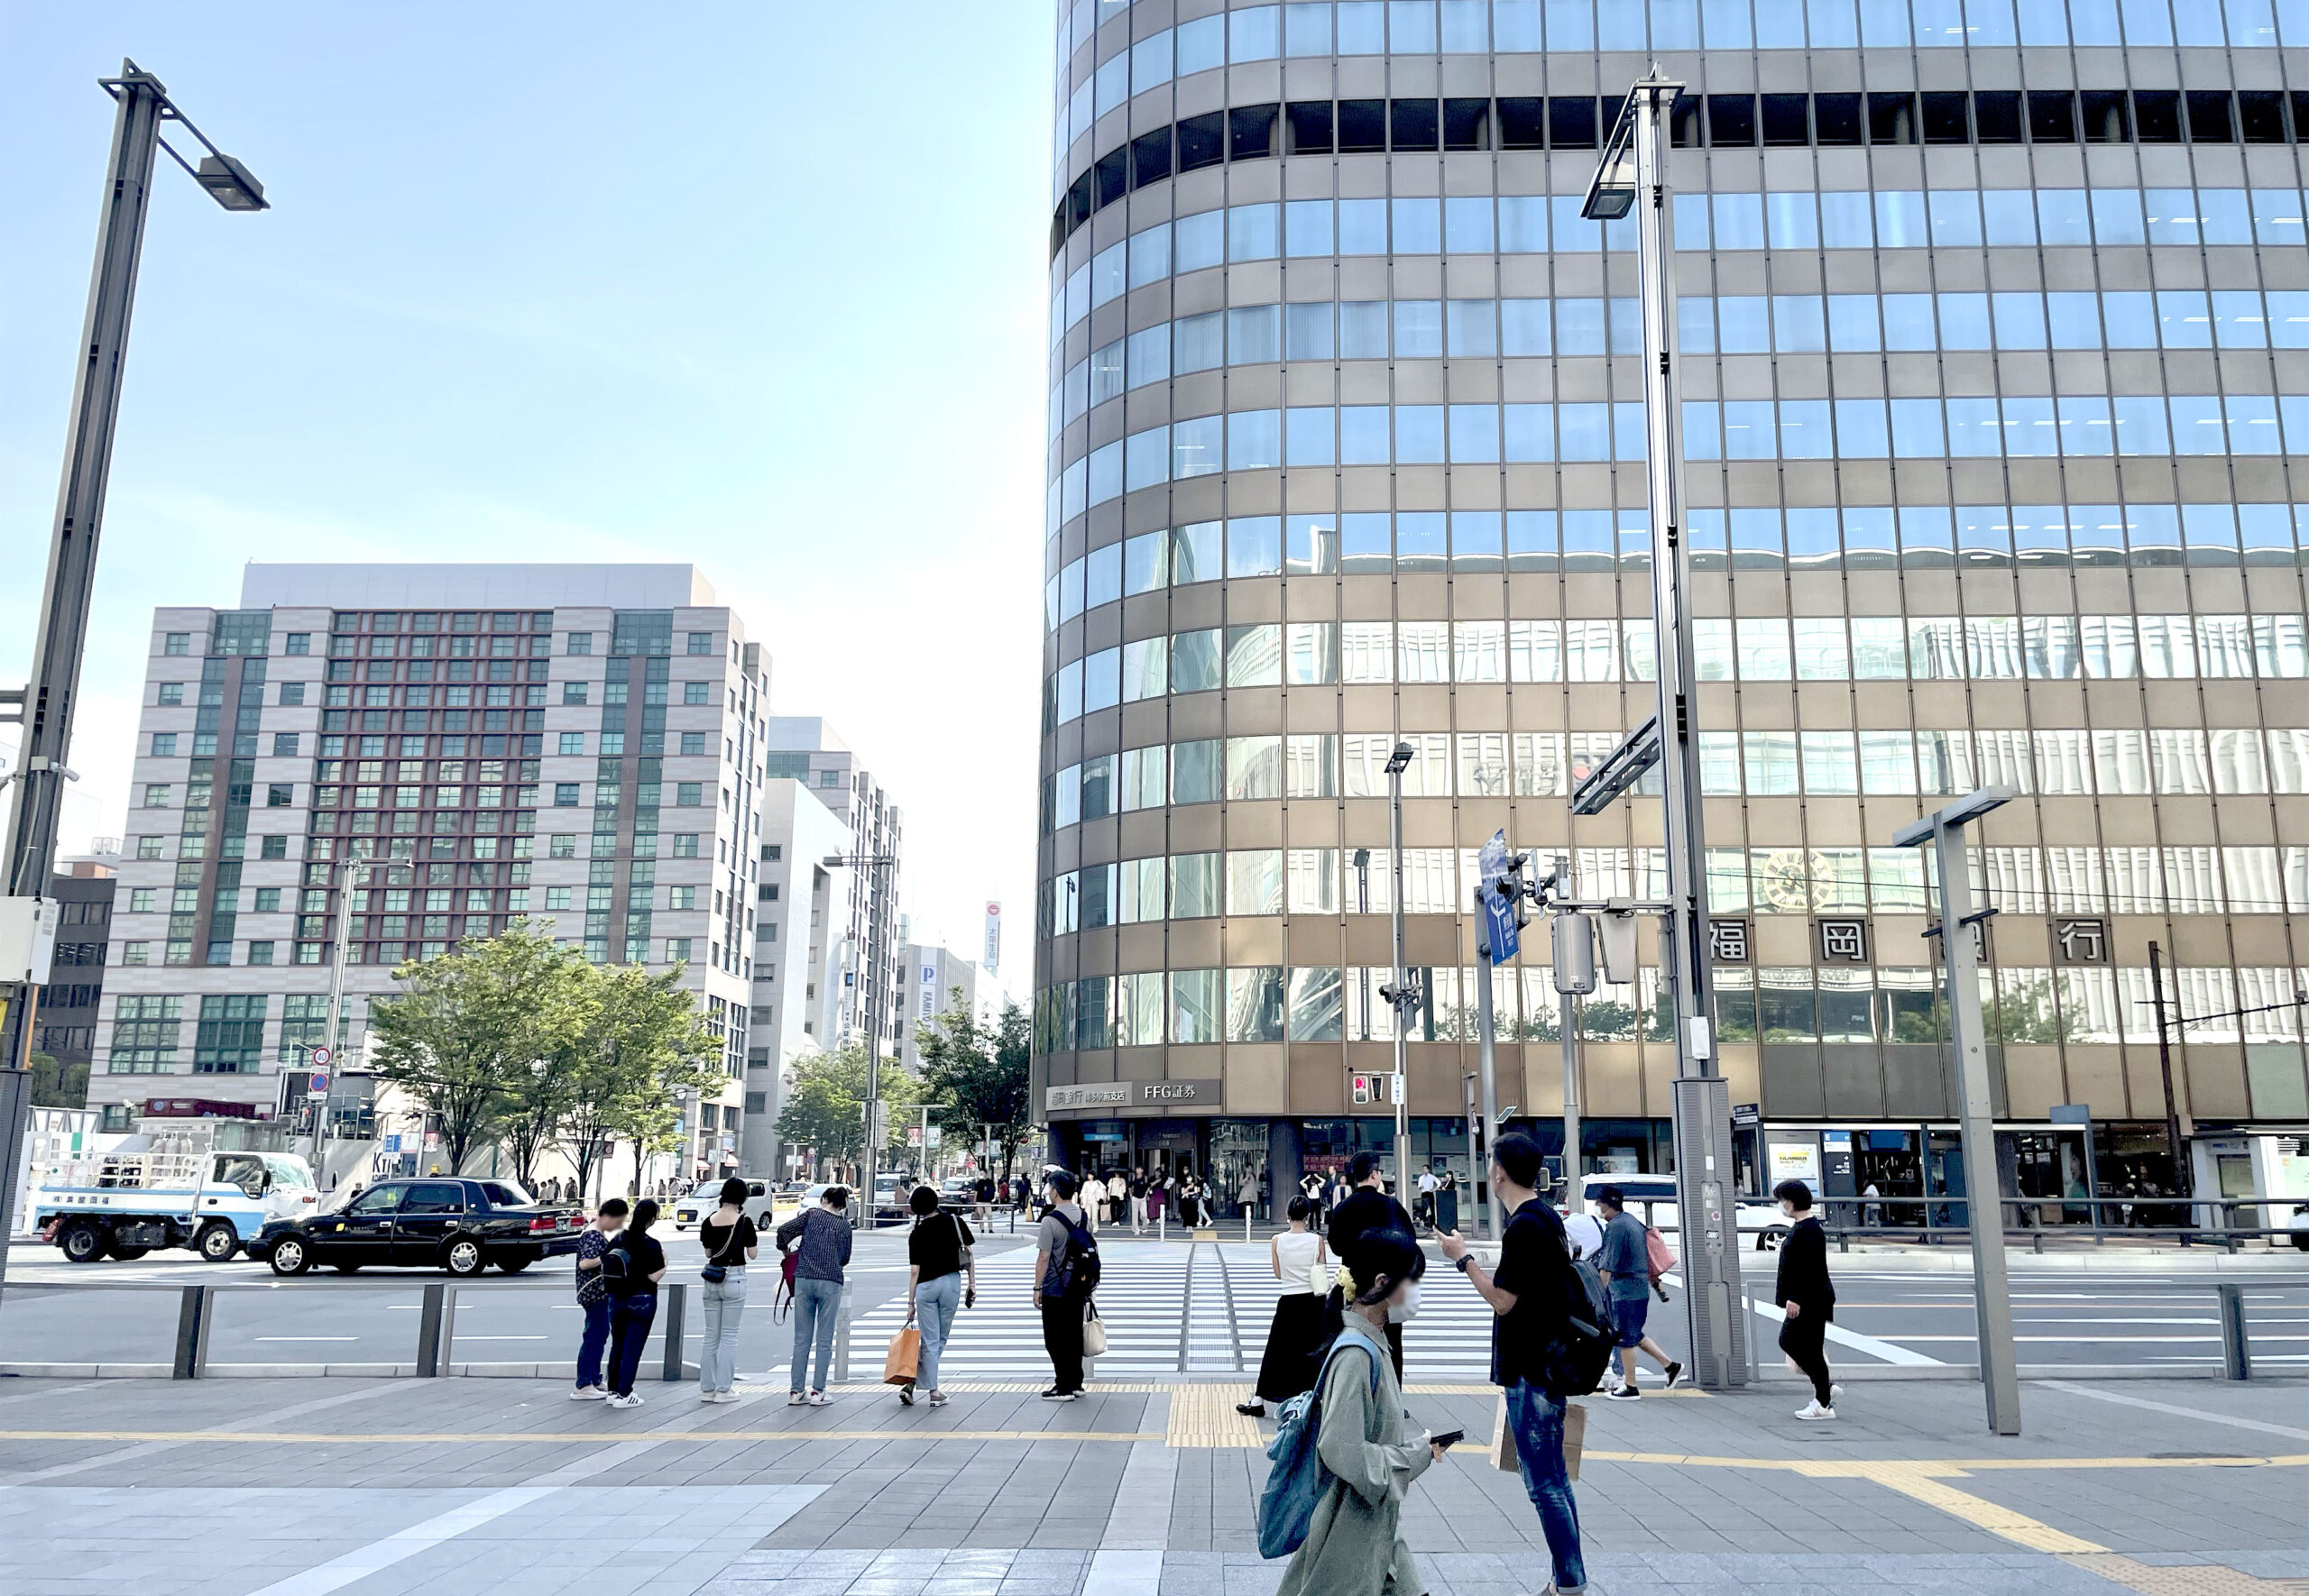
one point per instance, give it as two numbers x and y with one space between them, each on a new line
47 704
875 892
1944 830
1402 994
1633 177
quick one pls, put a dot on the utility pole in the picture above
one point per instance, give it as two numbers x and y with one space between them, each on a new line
1984 1201
2183 1185
338 954
46 706
877 892
1568 1036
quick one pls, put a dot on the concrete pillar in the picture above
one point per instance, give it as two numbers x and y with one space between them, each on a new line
1285 1163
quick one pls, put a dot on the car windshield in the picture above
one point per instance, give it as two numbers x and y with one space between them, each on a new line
503 1194
289 1170
707 1188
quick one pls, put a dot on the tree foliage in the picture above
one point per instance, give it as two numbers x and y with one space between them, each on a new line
57 1085
825 1111
518 1037
980 1070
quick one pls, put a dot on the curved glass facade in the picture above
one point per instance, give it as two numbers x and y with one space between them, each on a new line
1993 325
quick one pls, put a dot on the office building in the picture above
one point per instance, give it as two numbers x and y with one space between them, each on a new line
932 980
805 750
470 744
64 1026
1994 329
799 917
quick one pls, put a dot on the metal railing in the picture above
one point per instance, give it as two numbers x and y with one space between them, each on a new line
2204 1222
435 1323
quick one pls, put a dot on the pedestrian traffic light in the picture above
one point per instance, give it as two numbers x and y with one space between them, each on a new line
1362 1085
1510 886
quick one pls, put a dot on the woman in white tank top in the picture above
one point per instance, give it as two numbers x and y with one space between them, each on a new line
1301 1262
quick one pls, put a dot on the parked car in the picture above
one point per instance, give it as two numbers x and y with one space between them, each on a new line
2299 1225
1653 1199
699 1205
461 1226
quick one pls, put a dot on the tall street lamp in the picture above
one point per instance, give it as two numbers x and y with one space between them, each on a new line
877 891
1632 181
1403 995
46 706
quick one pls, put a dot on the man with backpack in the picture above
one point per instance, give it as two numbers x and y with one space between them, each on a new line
1066 1271
1549 1341
1624 1261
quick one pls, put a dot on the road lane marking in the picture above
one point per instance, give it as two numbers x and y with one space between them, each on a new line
2202 1414
564 1437
364 1560
1978 1511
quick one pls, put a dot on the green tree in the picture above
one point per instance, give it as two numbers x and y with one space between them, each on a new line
825 1110
461 1036
58 1084
639 1043
980 1071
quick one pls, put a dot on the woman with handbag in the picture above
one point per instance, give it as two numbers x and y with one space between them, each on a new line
817 1244
1302 1263
938 1255
730 1242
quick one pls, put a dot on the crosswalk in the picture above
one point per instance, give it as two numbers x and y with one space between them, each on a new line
1168 1310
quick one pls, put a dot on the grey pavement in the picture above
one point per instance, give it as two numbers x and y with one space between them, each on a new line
457 1487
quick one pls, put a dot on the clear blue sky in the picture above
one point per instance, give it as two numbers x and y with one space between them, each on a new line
755 286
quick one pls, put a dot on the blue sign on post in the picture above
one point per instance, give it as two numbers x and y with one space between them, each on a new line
1500 935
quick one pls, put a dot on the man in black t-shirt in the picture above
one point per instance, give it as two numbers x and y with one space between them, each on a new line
1530 1296
1364 1209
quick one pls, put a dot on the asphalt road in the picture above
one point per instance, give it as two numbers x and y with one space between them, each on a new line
1169 1309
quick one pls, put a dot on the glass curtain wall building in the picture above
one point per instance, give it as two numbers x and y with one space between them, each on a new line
1995 322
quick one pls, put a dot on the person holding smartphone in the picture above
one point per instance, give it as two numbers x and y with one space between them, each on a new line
1354 1544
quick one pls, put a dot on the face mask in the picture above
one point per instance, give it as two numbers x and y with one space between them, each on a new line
1408 1308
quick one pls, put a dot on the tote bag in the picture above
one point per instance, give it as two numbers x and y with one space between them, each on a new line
904 1358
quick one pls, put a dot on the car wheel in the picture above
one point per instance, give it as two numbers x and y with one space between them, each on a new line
463 1258
1769 1241
130 1254
82 1243
513 1266
291 1255
217 1241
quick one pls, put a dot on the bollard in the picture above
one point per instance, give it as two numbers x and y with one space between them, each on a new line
434 1332
193 1310
1162 1224
2236 1351
1247 1225
841 1338
677 1300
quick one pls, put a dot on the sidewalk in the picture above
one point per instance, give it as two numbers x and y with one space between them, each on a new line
457 1488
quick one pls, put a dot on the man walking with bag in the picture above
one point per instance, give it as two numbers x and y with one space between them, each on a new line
1530 1296
1625 1264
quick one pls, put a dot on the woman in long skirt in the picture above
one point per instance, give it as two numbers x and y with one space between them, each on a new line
1288 1365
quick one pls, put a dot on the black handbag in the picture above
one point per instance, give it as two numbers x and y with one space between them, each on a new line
716 1271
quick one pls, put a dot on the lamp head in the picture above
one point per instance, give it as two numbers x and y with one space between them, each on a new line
230 184
1399 761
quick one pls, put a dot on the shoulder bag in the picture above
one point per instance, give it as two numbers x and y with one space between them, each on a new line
717 1268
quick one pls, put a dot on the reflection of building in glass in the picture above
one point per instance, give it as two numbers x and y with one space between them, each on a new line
1993 378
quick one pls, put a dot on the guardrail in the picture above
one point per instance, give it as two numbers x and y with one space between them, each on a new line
1942 1219
436 1322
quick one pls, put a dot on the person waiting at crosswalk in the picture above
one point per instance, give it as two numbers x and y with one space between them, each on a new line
1302 1263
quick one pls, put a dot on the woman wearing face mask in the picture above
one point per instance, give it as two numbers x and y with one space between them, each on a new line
1355 1545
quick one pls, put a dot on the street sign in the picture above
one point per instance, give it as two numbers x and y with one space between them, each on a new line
1502 937
317 1084
323 1058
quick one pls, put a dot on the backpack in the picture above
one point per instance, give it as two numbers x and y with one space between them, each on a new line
1298 1480
1074 1270
617 1266
1575 1358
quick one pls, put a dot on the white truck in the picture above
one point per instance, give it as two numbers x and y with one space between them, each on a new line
173 1189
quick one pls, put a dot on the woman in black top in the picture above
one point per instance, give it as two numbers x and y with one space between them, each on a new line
938 1254
1807 1296
729 1241
630 1270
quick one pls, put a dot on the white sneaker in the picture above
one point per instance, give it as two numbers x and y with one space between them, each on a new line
625 1401
588 1393
820 1400
1835 1395
794 1398
1813 1410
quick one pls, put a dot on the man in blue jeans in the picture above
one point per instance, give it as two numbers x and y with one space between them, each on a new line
1527 1296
